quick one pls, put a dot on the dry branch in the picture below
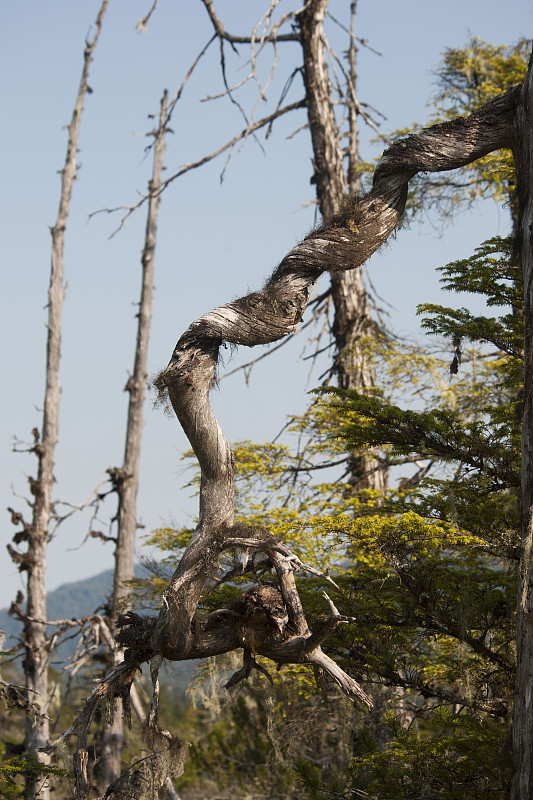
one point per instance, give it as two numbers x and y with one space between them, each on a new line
142 24
273 36
37 535
268 120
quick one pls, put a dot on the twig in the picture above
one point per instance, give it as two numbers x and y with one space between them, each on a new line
142 24
195 164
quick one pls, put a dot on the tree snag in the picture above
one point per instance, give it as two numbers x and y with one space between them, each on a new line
37 535
109 750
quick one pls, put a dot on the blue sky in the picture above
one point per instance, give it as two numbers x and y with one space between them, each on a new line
216 240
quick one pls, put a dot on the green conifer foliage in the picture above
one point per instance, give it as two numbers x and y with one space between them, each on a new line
433 578
466 78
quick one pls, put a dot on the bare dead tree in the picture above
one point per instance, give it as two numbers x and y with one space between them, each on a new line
343 242
36 534
126 478
352 320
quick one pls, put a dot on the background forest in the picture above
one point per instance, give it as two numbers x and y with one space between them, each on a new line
395 482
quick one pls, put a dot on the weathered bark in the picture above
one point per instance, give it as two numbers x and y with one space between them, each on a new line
329 175
352 321
344 242
37 534
126 479
522 785
136 386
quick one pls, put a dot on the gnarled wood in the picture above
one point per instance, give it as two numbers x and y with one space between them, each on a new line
344 242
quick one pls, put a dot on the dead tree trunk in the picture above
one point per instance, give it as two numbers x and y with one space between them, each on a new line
136 386
37 535
126 479
522 785
352 322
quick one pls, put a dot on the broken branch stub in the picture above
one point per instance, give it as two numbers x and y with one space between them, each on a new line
343 242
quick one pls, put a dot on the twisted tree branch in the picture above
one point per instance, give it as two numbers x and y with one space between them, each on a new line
343 242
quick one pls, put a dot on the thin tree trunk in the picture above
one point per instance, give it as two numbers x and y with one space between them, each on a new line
352 320
37 535
126 479
522 785
136 386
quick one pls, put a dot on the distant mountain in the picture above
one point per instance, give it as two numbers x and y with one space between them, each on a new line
71 600
74 600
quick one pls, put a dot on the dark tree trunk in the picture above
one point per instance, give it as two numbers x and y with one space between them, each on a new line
522 785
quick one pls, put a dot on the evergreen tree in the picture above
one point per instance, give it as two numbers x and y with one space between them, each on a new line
434 570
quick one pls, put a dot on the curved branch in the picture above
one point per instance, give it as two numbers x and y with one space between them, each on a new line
343 242
222 33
